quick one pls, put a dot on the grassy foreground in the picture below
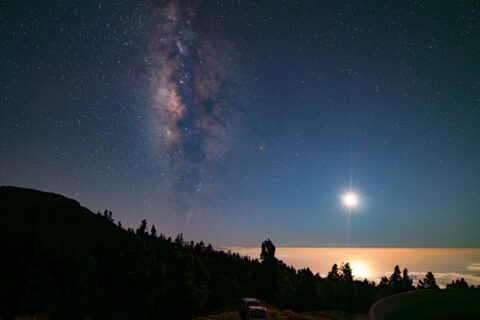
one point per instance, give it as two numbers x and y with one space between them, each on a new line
290 315
273 313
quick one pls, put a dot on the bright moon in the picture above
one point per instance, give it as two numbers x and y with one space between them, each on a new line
350 200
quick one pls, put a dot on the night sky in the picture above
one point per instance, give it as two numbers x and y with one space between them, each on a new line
236 121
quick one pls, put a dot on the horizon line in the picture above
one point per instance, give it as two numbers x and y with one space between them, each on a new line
346 247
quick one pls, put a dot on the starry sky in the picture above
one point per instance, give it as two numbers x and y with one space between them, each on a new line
234 121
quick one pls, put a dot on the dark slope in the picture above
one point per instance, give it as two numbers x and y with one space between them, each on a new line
27 215
59 258
62 260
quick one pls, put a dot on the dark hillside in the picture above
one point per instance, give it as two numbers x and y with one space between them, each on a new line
62 260
59 258
47 215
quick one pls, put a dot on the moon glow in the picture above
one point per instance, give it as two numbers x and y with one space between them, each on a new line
350 200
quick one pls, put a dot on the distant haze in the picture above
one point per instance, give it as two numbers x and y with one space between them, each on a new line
447 264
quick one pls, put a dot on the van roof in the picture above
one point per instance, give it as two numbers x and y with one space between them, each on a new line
258 308
249 299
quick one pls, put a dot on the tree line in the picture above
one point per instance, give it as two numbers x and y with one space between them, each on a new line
227 276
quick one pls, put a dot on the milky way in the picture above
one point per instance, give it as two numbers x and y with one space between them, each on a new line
230 112
192 100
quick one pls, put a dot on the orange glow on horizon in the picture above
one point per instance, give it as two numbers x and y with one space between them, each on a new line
360 269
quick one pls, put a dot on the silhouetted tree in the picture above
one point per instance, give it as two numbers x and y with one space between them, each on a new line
269 272
268 250
396 276
307 290
398 283
200 246
428 282
179 239
143 228
347 274
153 231
333 274
458 284
119 223
406 281
384 282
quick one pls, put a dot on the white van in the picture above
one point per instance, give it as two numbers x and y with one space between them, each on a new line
245 304
257 313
